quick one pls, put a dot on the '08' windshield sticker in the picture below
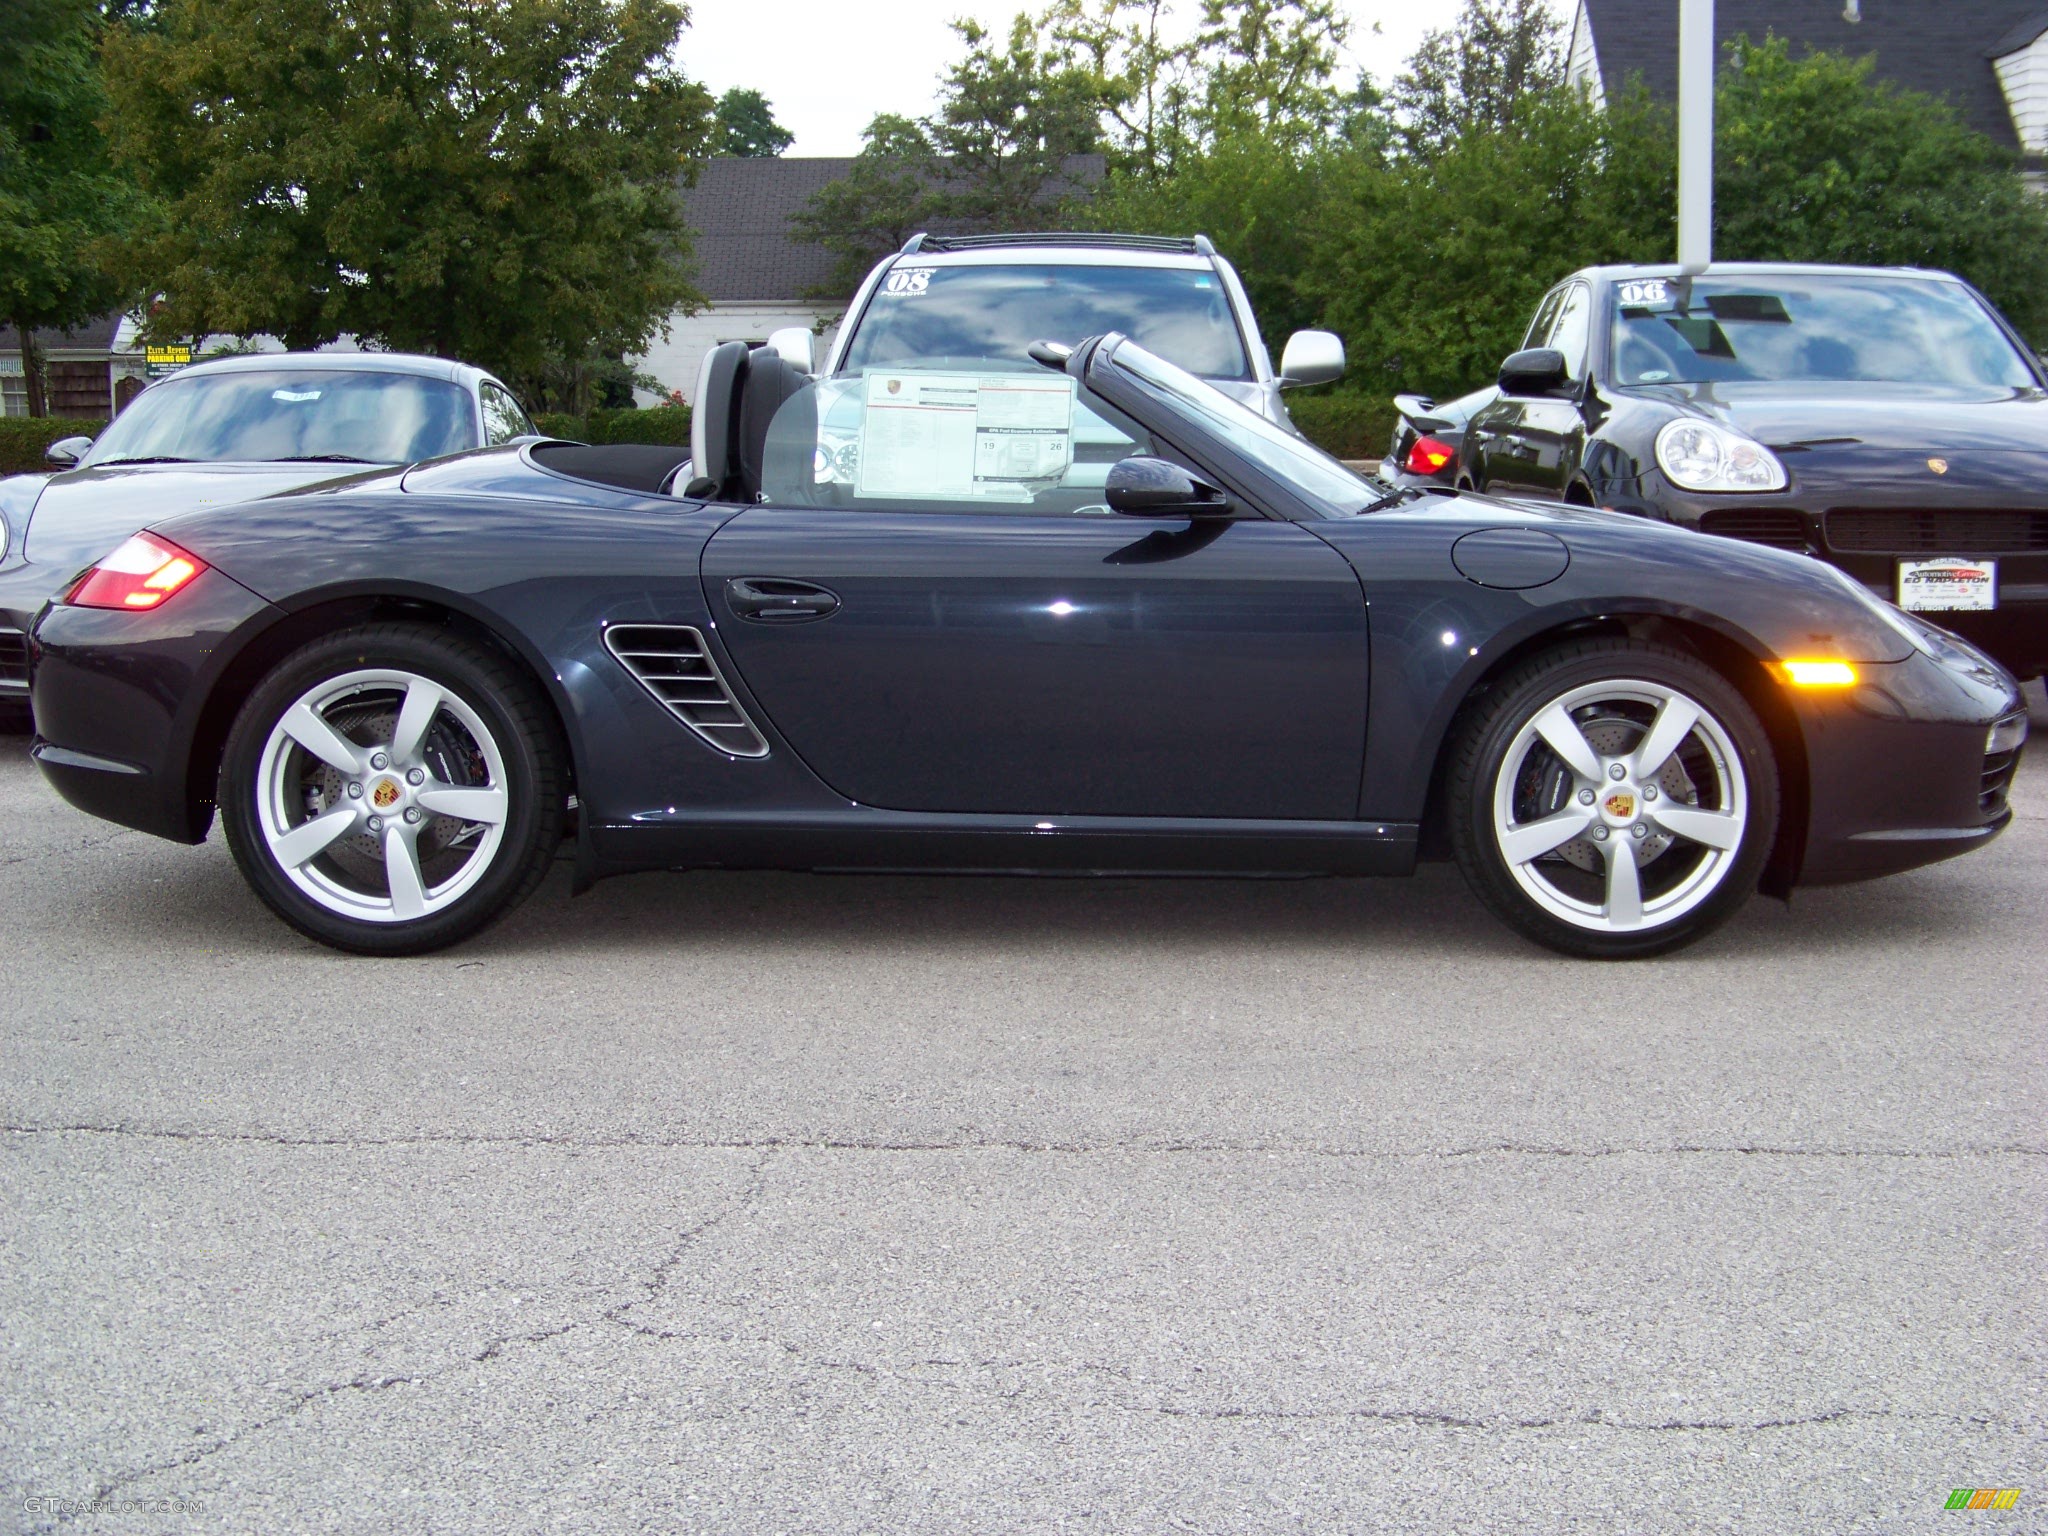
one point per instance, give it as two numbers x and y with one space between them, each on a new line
907 282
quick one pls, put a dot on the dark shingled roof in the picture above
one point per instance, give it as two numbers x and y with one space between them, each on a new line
1942 47
739 212
93 336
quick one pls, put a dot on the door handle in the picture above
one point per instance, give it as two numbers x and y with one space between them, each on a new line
778 600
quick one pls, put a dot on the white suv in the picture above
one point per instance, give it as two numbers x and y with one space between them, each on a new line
972 298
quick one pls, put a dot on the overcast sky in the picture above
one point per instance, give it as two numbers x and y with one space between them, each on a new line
828 66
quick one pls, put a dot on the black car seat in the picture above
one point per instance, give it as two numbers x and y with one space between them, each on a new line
712 420
778 430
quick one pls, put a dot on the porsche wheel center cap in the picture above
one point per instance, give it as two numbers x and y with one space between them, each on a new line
1619 806
385 793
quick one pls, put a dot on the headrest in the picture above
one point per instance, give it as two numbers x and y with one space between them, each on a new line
711 412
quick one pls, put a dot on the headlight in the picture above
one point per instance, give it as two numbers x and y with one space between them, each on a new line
1706 456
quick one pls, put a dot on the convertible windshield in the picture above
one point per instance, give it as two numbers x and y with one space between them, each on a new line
923 314
1827 329
1278 451
292 413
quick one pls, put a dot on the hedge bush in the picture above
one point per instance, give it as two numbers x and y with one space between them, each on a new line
667 425
1350 425
23 439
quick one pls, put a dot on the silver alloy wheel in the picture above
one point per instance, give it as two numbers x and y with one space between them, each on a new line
1620 806
382 795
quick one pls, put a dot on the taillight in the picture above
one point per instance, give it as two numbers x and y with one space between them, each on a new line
1428 456
142 573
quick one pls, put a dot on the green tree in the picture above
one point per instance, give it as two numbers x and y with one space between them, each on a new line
1009 119
1429 269
1144 75
994 155
61 200
495 182
1268 67
745 125
891 192
1474 74
1249 193
1816 160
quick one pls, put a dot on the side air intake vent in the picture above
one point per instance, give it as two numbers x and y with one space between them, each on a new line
673 663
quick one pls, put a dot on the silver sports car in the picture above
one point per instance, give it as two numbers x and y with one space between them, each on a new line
228 430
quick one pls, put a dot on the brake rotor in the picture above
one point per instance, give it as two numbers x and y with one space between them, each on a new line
449 753
1617 736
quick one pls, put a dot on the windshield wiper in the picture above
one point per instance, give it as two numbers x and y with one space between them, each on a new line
322 458
148 458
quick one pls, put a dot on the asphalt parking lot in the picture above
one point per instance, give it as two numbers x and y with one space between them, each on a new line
760 1203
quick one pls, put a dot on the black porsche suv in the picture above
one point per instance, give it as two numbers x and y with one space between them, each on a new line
1887 420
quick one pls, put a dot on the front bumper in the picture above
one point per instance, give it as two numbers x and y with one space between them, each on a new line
2015 632
1901 769
119 699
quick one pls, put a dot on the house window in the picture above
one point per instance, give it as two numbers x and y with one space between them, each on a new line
13 388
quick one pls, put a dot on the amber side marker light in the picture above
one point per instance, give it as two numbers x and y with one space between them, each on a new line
142 573
1818 674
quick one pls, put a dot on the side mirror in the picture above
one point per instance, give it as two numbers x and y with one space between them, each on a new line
67 451
1418 409
1311 357
1141 487
1538 371
797 346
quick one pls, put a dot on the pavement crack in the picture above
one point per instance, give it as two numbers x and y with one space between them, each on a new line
84 845
492 1349
657 1283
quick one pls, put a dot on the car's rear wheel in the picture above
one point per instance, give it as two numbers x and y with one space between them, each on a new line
392 789
1612 799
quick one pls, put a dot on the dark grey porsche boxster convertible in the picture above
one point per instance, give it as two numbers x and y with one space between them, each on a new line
1083 615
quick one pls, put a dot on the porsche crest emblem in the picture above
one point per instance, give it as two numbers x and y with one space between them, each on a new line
385 794
1939 466
1620 805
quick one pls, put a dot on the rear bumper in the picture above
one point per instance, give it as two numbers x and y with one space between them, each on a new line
1901 771
118 699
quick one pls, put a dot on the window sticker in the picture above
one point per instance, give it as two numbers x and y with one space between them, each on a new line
1644 292
294 396
963 436
907 282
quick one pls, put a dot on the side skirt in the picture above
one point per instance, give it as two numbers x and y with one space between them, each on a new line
861 838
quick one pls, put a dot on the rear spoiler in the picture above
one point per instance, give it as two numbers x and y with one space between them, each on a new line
1415 409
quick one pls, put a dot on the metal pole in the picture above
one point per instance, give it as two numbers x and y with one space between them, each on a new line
1695 135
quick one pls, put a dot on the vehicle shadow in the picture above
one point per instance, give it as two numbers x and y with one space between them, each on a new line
196 898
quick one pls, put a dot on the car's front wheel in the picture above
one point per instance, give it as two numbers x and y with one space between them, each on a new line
1613 799
392 789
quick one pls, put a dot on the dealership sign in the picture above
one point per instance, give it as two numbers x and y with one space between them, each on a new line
167 360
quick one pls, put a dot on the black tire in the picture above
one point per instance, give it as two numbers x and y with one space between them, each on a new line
1721 880
501 698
